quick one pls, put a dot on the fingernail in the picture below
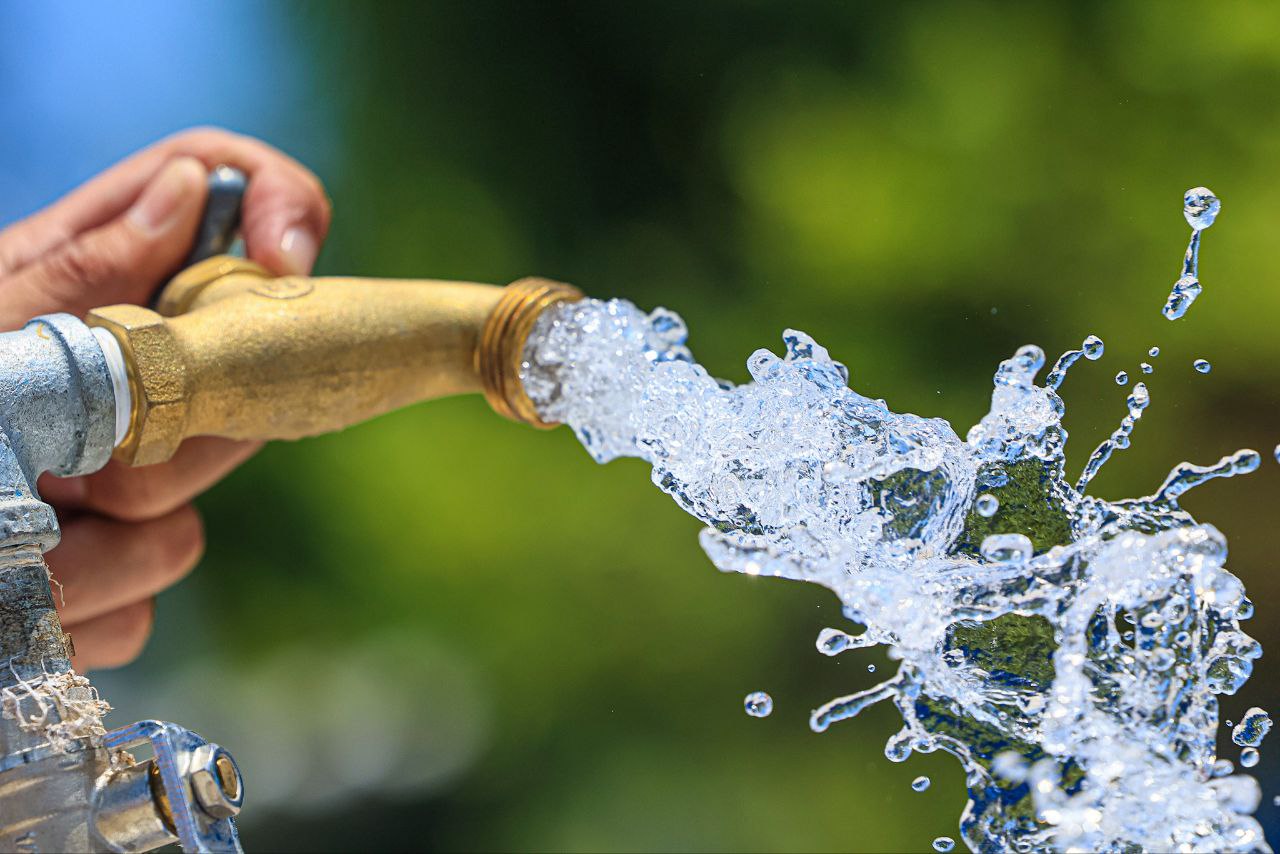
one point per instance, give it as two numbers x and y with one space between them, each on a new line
298 248
162 202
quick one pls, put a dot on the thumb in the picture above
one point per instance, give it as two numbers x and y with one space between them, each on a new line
124 260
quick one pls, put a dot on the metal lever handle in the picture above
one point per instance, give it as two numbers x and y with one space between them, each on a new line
220 224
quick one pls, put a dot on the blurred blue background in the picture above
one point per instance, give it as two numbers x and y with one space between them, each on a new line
443 631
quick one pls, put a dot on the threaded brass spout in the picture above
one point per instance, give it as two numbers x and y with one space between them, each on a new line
232 351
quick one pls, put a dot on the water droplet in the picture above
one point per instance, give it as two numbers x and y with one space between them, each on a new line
1276 453
944 844
1222 768
832 641
1202 365
1153 352
1200 207
1146 368
1093 348
919 784
1184 293
1249 757
758 704
1252 729
987 505
1122 378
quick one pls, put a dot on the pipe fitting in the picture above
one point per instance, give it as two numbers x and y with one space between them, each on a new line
231 351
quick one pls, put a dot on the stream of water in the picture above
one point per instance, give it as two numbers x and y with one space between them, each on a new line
1067 649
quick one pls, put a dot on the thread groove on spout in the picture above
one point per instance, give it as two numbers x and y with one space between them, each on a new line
502 345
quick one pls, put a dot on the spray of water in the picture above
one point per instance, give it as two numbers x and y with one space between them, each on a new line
1067 649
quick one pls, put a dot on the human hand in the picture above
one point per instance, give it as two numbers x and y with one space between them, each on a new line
128 533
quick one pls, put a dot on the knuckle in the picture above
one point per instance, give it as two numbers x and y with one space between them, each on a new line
76 263
133 495
201 135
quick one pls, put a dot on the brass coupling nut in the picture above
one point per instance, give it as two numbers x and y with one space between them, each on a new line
157 378
501 352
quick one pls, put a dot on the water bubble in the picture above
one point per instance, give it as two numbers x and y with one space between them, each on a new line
1122 378
1153 352
1184 293
1093 347
758 704
1146 368
1202 365
943 844
1249 757
1007 548
987 505
919 784
1253 727
1200 207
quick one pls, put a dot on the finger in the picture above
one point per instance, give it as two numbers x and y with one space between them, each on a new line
113 639
147 492
122 261
102 564
283 196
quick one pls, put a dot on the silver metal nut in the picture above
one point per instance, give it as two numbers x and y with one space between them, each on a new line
215 780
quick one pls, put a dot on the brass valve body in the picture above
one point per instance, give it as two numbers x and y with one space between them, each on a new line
232 351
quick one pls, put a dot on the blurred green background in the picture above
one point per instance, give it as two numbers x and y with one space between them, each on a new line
444 631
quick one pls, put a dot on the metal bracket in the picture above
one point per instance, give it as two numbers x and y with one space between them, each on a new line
185 761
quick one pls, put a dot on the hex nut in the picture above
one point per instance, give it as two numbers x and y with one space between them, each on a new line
216 782
157 382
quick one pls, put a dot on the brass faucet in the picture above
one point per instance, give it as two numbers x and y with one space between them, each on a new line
232 351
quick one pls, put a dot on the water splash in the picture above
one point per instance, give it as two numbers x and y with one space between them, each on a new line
1067 649
1200 207
1139 400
